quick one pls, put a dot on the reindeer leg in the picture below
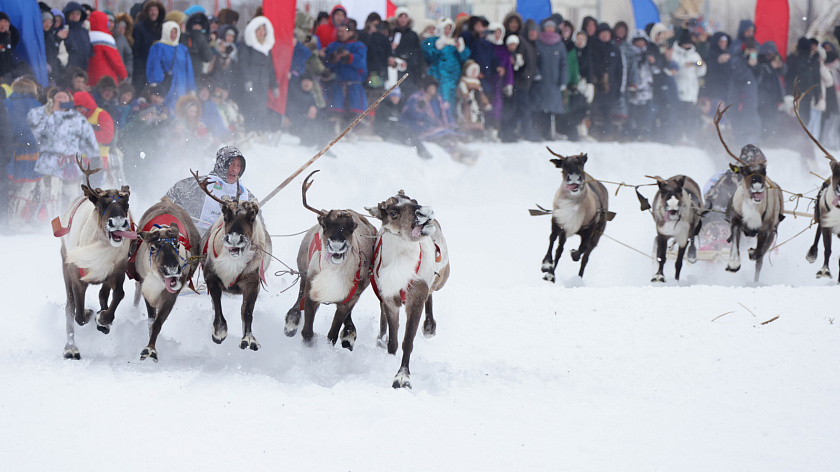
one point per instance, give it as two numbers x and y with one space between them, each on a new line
661 249
679 263
105 318
734 264
310 307
104 292
162 315
250 290
692 242
825 271
763 243
814 250
70 349
588 240
413 310
429 326
150 314
214 287
383 338
293 315
391 312
342 311
547 264
348 334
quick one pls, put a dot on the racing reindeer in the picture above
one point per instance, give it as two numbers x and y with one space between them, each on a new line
677 211
756 206
94 251
827 208
333 260
410 262
581 206
238 250
165 259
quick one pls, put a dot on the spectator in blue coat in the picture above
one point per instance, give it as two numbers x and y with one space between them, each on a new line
22 178
347 58
77 43
168 56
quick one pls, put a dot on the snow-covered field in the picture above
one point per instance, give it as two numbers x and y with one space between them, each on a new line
605 373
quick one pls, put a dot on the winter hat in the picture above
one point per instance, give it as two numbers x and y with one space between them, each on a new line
176 16
803 45
531 25
195 9
491 33
224 29
660 29
752 154
685 38
74 6
441 27
224 156
471 69
46 16
512 39
86 101
768 48
250 35
166 32
396 92
548 22
58 14
639 34
603 27
401 10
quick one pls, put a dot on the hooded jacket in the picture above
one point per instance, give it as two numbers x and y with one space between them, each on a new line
688 76
168 55
78 40
256 71
99 119
106 59
196 40
326 32
445 59
146 32
188 195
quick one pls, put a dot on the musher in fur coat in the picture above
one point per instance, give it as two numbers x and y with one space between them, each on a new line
24 200
168 56
257 77
446 56
106 59
61 132
204 211
348 59
472 101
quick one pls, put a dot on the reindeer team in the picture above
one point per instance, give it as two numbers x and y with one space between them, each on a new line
404 262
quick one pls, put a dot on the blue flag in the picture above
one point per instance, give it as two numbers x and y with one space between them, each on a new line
26 17
645 12
534 9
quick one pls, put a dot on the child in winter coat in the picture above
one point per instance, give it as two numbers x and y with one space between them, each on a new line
472 101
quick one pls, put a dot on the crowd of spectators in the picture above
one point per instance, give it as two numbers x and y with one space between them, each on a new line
131 84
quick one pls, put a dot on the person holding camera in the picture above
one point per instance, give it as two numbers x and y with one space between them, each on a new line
687 77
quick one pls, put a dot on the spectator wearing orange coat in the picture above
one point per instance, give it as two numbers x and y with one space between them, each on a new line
106 59
100 120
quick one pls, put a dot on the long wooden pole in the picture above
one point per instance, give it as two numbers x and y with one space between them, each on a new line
328 146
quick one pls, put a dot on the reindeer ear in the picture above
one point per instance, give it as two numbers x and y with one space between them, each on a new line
147 236
175 227
835 167
735 168
557 162
125 189
374 212
681 181
583 158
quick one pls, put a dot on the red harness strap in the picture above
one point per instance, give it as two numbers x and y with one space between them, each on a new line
216 254
374 273
58 230
167 220
316 247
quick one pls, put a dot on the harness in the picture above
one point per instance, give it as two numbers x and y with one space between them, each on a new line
204 252
157 222
315 247
377 264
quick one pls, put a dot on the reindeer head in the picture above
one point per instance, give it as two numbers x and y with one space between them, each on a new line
239 219
164 257
337 225
671 193
751 166
402 216
111 207
572 167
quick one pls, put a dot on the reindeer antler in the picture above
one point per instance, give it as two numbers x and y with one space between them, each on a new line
203 183
656 178
304 188
797 99
554 153
718 116
87 172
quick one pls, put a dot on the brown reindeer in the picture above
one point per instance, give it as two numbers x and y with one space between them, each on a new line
333 260
410 262
238 250
677 211
756 206
827 208
165 259
581 206
93 251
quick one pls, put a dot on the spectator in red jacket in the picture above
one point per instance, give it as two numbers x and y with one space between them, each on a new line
106 59
100 120
327 31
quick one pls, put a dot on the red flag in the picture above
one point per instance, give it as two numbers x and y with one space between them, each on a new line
772 19
281 14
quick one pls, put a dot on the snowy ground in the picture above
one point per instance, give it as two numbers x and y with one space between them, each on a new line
605 373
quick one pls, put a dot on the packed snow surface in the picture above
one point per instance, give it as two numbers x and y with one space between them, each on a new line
608 372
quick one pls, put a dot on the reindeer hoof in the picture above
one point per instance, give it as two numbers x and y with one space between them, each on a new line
348 338
249 341
752 252
547 266
219 335
100 326
402 380
729 268
549 277
691 255
812 255
575 255
658 278
429 328
148 352
84 318
824 273
382 341
292 323
72 352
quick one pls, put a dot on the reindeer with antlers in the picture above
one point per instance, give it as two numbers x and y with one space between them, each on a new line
238 250
333 260
581 206
827 209
93 251
677 211
756 208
